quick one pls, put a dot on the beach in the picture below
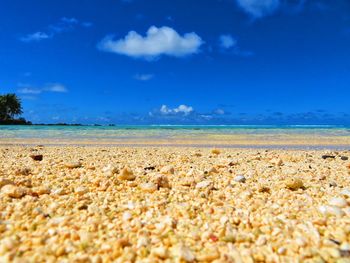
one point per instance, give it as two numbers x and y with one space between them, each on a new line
175 131
97 203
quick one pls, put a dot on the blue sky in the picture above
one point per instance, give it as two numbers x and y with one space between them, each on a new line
179 61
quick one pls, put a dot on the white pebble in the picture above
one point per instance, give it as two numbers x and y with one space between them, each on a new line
300 241
223 220
345 247
109 170
127 216
160 252
185 254
331 210
131 205
261 241
240 179
339 202
203 184
345 192
13 191
142 242
281 250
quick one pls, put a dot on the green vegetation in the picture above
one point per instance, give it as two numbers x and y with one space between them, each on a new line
10 108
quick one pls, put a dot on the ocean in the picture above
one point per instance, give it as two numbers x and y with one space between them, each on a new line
164 131
225 135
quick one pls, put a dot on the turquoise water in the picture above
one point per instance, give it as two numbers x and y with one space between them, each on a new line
163 131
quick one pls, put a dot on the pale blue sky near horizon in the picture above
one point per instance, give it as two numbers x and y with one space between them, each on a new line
178 62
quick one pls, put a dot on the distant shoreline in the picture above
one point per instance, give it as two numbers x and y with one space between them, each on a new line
28 123
254 126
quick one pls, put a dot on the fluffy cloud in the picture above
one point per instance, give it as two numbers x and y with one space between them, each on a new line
65 24
259 8
29 90
143 77
184 114
182 109
227 41
157 42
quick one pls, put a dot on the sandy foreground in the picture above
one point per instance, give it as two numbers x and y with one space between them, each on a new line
174 204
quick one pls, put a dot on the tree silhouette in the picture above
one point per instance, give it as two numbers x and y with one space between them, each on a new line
10 106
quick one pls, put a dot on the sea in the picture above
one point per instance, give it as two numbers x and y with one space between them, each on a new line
227 135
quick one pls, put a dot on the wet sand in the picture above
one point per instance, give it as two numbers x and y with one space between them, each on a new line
288 140
173 204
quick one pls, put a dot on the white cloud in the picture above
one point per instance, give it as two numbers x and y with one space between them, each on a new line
28 89
69 20
28 97
259 8
157 42
182 109
227 41
56 87
165 110
87 24
219 112
229 45
143 77
37 36
63 25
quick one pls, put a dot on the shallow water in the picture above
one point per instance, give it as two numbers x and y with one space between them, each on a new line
163 131
227 135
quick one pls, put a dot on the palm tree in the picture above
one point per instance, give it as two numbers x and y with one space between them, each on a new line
10 106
